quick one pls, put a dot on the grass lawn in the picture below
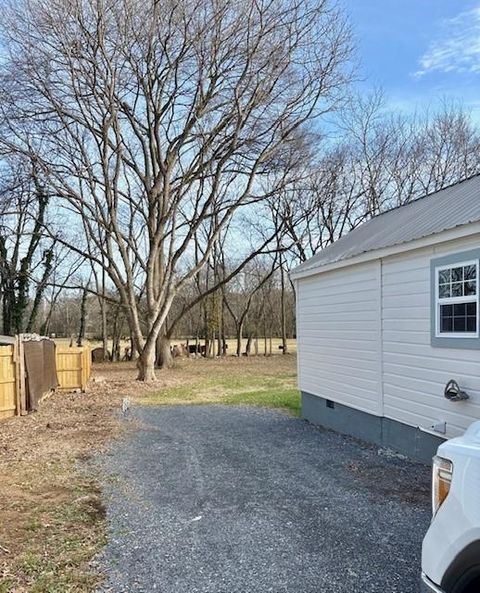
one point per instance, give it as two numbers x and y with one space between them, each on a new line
257 381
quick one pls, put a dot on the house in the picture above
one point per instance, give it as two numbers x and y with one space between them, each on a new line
387 316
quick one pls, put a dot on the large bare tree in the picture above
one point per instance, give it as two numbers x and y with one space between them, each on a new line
153 119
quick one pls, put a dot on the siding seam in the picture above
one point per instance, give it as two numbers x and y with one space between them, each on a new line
382 392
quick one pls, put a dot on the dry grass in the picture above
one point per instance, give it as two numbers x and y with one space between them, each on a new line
51 514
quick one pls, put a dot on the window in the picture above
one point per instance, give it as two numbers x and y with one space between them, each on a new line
456 302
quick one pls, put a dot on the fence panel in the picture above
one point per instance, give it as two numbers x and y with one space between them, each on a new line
8 382
73 366
73 372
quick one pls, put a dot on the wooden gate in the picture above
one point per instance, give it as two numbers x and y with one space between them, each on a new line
73 366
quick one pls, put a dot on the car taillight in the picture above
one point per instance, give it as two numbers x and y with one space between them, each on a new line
441 481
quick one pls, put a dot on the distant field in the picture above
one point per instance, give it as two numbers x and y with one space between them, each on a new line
231 343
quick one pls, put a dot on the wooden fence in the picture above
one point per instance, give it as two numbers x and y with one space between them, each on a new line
73 372
8 382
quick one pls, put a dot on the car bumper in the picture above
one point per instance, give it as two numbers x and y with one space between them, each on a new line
428 586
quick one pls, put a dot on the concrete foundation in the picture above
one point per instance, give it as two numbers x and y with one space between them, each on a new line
381 431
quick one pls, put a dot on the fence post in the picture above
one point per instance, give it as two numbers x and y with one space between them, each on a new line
21 370
83 371
16 361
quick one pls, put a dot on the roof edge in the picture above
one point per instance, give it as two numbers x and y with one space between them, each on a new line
459 232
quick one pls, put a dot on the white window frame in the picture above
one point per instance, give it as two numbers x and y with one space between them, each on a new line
456 300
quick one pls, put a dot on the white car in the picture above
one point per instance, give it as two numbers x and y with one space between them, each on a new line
451 547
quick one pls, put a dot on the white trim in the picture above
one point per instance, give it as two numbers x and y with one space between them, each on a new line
456 300
460 232
297 313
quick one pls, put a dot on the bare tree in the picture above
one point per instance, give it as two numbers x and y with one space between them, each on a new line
153 118
441 149
26 255
64 270
382 161
240 294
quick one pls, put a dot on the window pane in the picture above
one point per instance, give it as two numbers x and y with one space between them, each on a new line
459 318
471 308
456 283
447 310
470 287
444 291
446 324
457 289
446 319
471 324
444 276
469 272
457 274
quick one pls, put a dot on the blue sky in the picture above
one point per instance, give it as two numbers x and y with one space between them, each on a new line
419 51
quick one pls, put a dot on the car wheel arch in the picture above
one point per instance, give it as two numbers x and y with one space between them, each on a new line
463 571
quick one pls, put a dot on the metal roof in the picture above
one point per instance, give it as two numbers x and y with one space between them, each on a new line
446 209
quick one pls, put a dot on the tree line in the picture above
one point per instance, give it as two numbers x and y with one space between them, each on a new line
165 165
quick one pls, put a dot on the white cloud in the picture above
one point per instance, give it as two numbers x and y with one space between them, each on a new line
457 46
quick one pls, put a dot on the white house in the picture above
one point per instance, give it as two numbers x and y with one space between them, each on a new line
387 316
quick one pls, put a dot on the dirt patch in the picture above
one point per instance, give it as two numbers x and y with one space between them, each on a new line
51 516
399 486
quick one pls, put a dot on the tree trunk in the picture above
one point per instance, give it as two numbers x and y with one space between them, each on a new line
284 323
239 339
133 349
103 309
45 327
48 262
248 347
146 363
265 344
163 352
114 333
83 317
116 353
219 342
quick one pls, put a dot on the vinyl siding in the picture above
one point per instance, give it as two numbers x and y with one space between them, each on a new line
414 372
338 331
364 341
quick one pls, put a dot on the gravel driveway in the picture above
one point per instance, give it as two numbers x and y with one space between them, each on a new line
242 500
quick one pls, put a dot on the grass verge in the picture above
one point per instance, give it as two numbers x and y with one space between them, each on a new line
269 382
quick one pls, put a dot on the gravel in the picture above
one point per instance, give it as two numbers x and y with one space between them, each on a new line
213 499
